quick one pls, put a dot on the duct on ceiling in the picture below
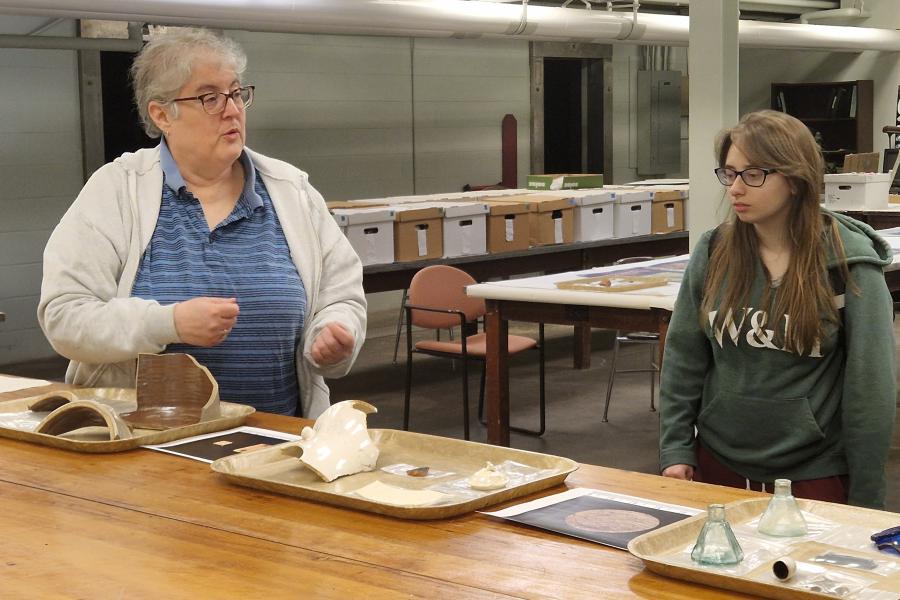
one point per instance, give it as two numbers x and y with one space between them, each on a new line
448 18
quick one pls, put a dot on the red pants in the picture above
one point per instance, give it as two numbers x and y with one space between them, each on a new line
710 470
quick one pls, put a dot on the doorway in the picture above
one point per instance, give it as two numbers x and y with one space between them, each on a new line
570 93
122 128
573 115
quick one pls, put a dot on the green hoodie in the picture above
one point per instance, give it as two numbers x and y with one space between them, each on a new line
767 413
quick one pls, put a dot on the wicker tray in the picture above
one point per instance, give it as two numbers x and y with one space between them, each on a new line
665 551
96 439
277 469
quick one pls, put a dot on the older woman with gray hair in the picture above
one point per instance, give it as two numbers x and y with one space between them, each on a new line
203 246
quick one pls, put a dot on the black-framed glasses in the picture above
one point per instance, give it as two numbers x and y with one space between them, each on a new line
214 102
752 176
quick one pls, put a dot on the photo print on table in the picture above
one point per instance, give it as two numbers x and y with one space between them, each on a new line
213 446
600 520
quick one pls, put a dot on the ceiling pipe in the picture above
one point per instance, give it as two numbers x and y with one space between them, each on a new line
789 7
46 42
449 18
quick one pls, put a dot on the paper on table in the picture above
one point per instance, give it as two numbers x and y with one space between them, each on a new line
658 266
212 446
578 492
597 516
12 384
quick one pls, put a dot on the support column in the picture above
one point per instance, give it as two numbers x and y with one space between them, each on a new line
713 64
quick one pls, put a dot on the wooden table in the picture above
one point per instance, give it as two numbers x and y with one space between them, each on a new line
144 524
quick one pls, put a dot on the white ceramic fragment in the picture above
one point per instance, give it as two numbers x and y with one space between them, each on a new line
383 493
339 443
488 478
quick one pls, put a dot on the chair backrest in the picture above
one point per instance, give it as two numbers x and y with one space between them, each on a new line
442 286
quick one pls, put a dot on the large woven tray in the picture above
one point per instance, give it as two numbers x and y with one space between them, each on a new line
96 439
277 469
663 550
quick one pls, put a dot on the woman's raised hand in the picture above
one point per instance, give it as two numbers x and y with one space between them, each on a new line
205 321
333 344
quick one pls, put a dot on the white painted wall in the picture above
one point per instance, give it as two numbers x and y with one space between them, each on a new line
352 110
462 90
40 171
338 107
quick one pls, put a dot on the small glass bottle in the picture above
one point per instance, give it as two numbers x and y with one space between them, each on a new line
782 517
716 544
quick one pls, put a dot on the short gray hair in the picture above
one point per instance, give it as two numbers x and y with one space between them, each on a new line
164 65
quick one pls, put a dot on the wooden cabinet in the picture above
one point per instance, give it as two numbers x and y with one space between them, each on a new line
838 113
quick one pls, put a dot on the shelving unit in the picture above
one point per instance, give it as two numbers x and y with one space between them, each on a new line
839 113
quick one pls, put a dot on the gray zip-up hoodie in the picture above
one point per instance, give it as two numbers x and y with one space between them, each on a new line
767 413
91 260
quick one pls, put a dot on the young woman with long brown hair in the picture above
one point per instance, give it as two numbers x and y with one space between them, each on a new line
779 358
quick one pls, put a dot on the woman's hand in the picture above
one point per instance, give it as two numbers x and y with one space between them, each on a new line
679 472
333 344
205 321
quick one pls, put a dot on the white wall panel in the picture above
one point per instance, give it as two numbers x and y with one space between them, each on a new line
40 167
462 89
338 107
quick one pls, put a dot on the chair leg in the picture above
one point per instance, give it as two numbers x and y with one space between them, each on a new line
612 377
542 378
543 398
481 394
408 386
400 321
653 375
465 380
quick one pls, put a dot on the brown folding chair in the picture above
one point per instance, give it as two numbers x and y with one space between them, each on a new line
436 299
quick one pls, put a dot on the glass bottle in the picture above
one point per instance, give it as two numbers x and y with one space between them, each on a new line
782 517
716 544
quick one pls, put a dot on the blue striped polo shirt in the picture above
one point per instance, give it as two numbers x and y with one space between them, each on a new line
246 257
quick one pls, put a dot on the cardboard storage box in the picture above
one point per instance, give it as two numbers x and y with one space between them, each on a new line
370 232
565 181
593 215
550 217
507 226
667 212
857 191
632 210
465 229
551 221
418 233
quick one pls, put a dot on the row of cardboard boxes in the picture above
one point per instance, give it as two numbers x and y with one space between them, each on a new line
402 229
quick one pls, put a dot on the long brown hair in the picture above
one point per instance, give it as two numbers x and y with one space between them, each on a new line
775 140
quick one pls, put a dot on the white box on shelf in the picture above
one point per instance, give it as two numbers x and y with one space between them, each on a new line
594 214
632 210
370 232
857 191
465 229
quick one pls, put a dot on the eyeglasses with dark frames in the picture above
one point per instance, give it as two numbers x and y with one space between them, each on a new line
214 103
752 176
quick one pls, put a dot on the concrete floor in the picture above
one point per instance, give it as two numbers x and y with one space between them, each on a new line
574 397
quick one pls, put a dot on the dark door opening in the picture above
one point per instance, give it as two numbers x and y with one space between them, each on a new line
122 129
573 115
